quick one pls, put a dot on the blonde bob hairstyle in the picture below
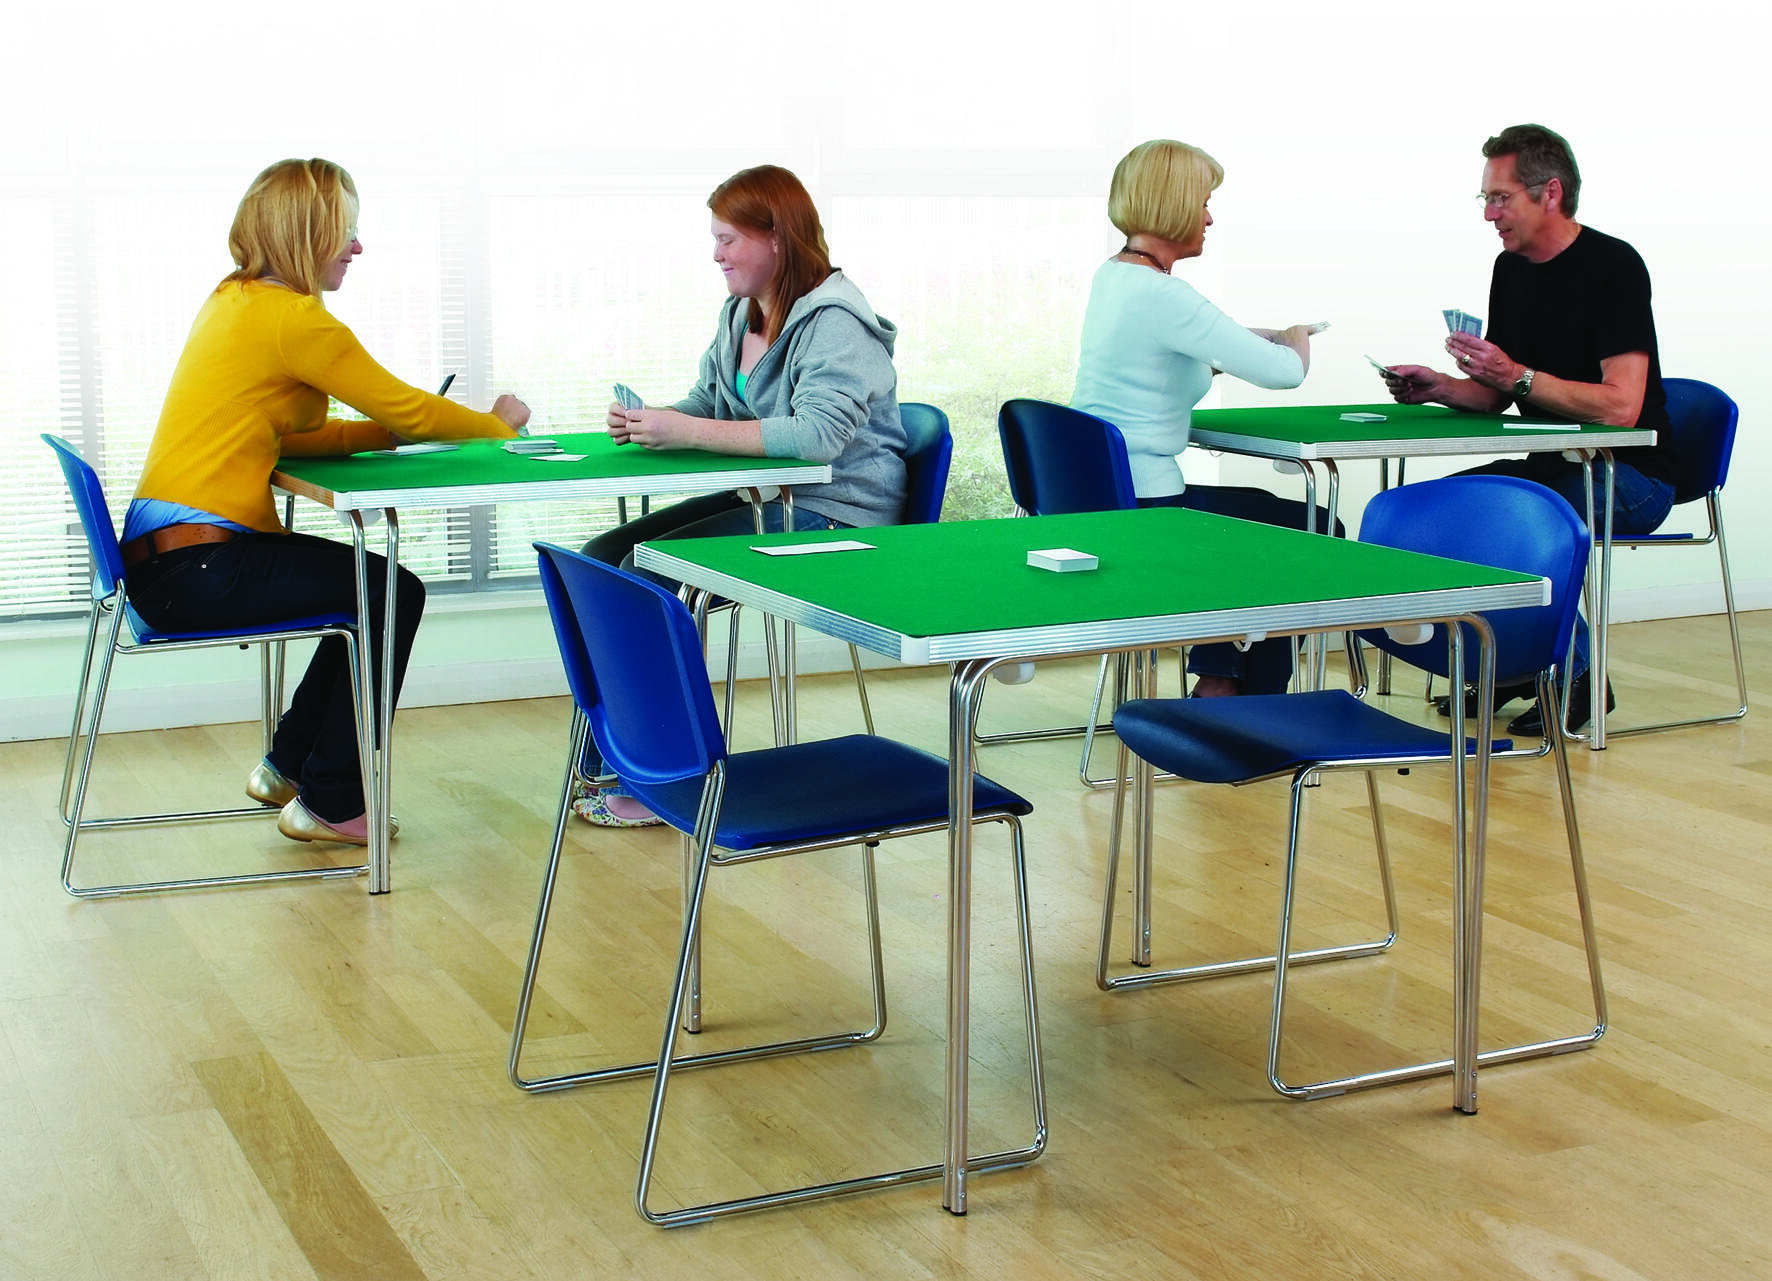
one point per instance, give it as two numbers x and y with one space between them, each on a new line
1160 189
295 218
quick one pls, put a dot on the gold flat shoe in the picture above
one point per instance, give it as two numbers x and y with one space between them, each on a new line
266 786
298 823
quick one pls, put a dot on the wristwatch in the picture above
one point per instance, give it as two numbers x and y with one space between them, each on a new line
1523 384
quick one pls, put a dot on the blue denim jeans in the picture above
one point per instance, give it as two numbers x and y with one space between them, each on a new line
1266 666
265 579
1641 503
707 516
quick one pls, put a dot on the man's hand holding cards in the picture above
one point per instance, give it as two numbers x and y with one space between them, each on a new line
1387 372
1462 322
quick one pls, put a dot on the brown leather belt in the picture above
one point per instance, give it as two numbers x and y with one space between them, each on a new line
170 538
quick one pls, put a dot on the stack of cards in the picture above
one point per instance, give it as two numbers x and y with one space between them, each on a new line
531 446
625 397
416 447
1460 322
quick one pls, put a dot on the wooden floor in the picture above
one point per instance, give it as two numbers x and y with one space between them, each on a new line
307 1082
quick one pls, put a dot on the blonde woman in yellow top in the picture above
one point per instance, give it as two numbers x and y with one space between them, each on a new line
202 545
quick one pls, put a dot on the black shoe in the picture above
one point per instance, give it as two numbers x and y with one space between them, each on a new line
1530 723
1504 694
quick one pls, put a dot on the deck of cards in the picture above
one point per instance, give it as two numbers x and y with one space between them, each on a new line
1063 560
1462 322
532 446
625 397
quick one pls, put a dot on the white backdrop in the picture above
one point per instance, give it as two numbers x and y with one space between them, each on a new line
960 152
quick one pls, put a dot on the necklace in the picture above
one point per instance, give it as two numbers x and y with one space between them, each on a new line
1151 258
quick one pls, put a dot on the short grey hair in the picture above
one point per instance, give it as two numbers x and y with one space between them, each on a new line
1539 155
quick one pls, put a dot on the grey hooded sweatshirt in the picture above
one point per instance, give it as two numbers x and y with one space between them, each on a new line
825 391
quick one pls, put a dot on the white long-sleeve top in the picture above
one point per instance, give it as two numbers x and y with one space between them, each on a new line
1150 344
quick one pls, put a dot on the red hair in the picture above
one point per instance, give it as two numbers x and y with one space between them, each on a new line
771 200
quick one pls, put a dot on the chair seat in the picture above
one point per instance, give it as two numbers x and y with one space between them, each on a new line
810 791
1495 520
105 640
1632 539
639 681
1236 740
146 635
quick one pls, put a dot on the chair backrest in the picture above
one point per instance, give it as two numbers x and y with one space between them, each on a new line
928 453
634 664
95 517
1062 460
1703 436
1500 521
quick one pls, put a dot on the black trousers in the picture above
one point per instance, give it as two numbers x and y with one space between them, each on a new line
1266 666
260 580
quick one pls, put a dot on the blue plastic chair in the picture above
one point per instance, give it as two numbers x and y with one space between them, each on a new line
1500 521
126 633
1061 460
1703 439
640 688
928 456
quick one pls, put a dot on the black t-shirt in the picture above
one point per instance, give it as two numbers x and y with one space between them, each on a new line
1589 303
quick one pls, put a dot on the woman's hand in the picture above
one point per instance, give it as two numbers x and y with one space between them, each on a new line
655 428
618 422
674 429
651 428
1298 337
512 412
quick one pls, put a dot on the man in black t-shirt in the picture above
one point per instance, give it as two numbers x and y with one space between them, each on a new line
1572 335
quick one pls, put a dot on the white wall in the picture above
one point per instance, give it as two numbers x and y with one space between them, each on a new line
1351 147
1349 134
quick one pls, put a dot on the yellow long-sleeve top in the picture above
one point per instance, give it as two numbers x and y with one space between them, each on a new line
252 385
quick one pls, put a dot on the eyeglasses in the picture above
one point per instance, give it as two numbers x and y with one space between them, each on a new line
350 235
1499 199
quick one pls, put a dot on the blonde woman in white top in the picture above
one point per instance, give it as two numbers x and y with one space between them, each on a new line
1151 346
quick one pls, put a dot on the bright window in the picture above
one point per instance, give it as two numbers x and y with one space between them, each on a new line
537 226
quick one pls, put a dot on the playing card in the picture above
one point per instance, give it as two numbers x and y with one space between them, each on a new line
1469 324
626 398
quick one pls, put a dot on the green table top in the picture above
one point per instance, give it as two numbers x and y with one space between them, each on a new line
1312 432
481 471
963 589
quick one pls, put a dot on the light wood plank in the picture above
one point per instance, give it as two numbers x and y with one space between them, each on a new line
338 1227
295 1081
